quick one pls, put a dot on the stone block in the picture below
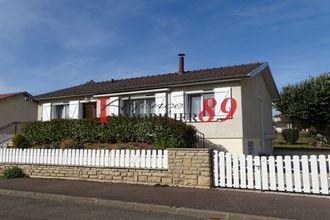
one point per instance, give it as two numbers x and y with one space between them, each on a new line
166 180
117 178
190 182
177 181
204 181
154 179
187 163
142 178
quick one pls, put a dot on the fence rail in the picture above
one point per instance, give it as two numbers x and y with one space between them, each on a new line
291 174
7 131
152 159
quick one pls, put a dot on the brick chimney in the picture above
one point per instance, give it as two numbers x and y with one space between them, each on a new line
181 63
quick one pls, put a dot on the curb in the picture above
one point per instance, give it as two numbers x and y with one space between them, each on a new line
136 206
304 195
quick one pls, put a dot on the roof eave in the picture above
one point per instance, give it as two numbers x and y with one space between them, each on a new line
229 79
276 95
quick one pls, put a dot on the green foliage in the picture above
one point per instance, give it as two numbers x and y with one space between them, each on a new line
170 142
118 129
290 135
20 141
308 103
14 172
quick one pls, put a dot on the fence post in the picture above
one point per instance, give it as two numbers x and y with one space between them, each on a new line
215 168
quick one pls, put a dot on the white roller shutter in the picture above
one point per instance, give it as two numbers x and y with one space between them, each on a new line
74 109
46 111
220 94
177 104
160 99
113 106
98 108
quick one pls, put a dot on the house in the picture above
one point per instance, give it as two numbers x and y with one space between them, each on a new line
231 106
281 122
15 108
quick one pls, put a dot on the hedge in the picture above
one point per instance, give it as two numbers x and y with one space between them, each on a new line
118 129
290 135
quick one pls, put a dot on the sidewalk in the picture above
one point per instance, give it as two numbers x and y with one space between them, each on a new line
252 203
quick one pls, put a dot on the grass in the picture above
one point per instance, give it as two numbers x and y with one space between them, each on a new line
304 141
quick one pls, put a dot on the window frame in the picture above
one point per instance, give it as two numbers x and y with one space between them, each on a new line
135 99
201 93
54 111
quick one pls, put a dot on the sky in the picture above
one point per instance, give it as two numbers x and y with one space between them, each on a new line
48 45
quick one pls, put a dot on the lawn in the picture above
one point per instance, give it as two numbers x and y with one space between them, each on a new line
305 141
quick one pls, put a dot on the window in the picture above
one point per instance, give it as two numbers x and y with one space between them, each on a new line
207 96
195 103
61 111
135 107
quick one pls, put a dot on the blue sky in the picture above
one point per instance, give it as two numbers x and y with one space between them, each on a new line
49 45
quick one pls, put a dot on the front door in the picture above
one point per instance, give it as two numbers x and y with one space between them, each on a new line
89 110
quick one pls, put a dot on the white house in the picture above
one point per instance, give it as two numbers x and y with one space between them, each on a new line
238 97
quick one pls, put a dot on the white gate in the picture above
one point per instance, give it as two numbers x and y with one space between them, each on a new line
305 174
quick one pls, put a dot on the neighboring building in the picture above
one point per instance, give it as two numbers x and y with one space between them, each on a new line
251 87
15 108
280 123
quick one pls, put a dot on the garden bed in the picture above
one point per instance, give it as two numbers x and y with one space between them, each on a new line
121 132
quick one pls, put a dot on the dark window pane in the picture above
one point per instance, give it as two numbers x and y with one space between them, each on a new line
195 104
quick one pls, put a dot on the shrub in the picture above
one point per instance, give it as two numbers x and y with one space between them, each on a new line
13 172
68 143
290 135
20 141
170 142
118 129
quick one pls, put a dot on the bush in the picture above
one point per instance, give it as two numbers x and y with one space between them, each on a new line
20 141
118 129
290 135
14 172
68 143
170 142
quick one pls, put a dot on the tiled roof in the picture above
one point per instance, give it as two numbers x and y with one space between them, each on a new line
154 81
6 95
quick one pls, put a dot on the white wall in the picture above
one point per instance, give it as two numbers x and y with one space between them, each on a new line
75 111
254 91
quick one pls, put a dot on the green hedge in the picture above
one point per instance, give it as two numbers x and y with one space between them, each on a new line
14 172
290 135
120 129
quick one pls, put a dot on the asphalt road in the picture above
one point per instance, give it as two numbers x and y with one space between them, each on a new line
13 207
233 201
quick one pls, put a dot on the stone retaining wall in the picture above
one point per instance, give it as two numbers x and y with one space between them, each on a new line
186 168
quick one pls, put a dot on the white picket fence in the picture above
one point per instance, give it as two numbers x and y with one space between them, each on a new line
289 174
152 159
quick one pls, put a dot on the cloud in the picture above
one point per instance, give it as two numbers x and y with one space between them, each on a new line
5 88
278 14
56 44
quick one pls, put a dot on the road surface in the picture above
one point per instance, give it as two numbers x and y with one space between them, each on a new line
13 207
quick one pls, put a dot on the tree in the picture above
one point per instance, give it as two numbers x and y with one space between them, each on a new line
307 104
